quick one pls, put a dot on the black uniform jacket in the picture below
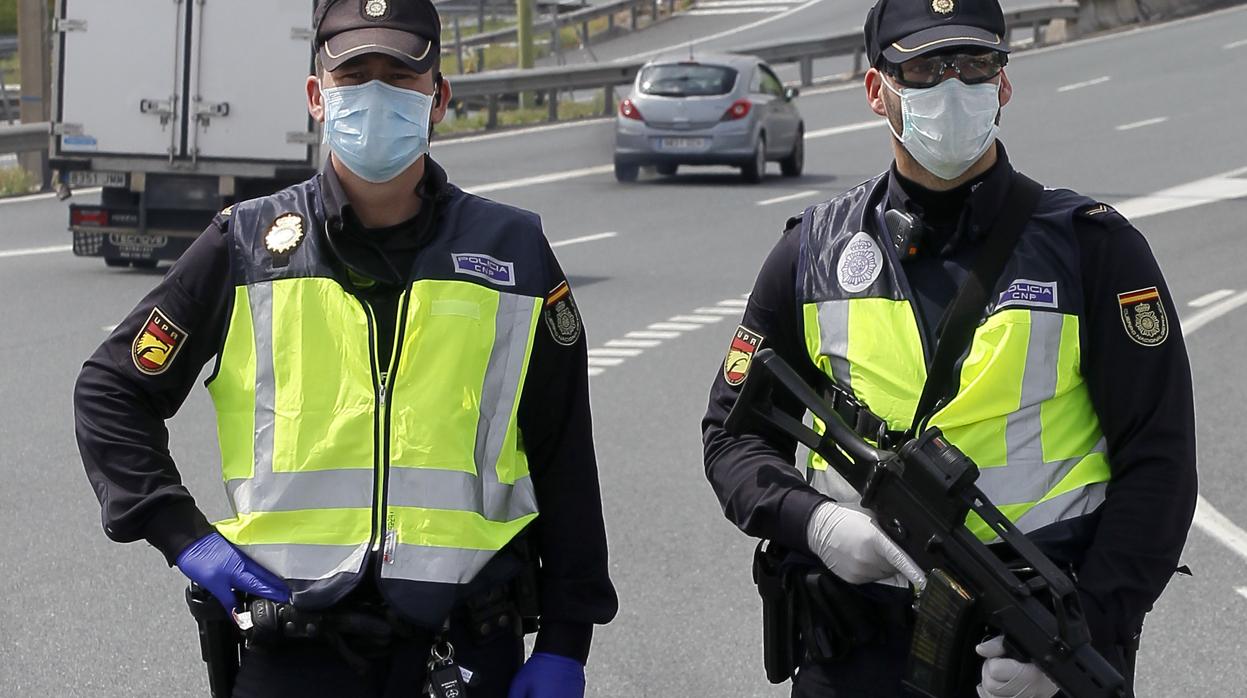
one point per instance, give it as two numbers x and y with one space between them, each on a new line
124 442
1124 552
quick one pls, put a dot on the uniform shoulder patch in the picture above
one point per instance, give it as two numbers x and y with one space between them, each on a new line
285 234
1143 316
1102 215
745 343
157 344
562 316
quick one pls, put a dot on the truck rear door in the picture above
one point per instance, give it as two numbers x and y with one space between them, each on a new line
247 89
121 68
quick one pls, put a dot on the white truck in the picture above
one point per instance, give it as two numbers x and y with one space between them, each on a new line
177 108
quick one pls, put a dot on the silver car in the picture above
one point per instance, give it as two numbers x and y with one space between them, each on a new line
710 110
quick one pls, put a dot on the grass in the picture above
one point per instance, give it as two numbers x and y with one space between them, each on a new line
15 181
12 70
568 110
8 17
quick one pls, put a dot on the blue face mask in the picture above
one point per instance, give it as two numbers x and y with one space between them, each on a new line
375 129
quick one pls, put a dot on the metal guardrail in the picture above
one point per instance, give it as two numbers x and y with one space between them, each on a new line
25 138
8 46
607 76
553 23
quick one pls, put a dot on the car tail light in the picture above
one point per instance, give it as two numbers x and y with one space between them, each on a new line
88 216
739 110
628 110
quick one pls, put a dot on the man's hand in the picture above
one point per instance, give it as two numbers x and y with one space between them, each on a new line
854 549
1009 678
216 565
549 676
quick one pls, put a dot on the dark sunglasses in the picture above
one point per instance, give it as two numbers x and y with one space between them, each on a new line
929 71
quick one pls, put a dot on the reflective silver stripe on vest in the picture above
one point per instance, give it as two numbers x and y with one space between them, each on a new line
833 326
307 562
1068 505
267 491
424 563
440 489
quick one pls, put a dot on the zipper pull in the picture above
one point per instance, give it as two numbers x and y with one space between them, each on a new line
391 539
385 388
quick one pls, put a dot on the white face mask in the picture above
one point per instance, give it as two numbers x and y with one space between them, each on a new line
947 128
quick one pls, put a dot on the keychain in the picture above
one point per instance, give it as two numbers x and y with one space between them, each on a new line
445 678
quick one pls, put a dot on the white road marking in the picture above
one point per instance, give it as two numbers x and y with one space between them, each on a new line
1242 591
634 343
445 141
49 195
1085 83
585 238
540 179
734 303
1235 44
108 328
1210 298
649 334
719 311
597 361
596 371
736 11
847 128
789 197
1207 315
742 3
30 251
1140 124
624 353
700 319
1222 187
674 326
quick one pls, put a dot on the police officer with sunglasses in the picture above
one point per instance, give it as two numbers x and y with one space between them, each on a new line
1074 396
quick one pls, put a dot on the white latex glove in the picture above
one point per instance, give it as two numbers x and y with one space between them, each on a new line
854 549
1009 678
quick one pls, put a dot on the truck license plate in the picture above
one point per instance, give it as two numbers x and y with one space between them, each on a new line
683 143
92 178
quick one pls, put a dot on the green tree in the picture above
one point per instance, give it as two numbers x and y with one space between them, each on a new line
8 17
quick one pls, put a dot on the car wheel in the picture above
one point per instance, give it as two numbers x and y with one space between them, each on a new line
755 170
792 165
667 170
626 173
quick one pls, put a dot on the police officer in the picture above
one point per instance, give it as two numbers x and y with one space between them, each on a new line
401 391
1074 396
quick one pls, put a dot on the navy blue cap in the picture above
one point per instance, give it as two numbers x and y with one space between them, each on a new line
409 30
898 30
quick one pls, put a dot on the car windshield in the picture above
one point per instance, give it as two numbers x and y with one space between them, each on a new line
687 80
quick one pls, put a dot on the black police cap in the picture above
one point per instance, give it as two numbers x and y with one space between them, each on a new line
898 30
409 30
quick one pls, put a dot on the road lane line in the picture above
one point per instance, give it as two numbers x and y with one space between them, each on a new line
600 362
1242 591
1211 313
584 238
734 303
735 11
700 319
49 195
648 334
703 40
595 371
1086 83
36 250
674 326
1222 187
1210 298
539 179
1140 124
1235 44
634 343
619 353
789 197
847 128
719 311
444 141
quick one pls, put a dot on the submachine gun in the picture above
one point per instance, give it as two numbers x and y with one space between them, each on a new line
920 495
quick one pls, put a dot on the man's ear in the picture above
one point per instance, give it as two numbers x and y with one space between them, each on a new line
441 99
315 100
874 91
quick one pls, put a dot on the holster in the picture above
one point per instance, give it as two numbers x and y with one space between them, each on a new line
219 640
779 636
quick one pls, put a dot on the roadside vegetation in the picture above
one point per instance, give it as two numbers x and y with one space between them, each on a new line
15 181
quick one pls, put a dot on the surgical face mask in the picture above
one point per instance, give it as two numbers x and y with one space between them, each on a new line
947 128
375 129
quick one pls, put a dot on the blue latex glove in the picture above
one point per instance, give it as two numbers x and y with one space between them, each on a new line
549 676
216 565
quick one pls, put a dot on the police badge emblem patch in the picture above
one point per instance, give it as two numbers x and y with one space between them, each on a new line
1143 315
740 355
562 316
285 234
376 9
860 263
157 344
943 7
